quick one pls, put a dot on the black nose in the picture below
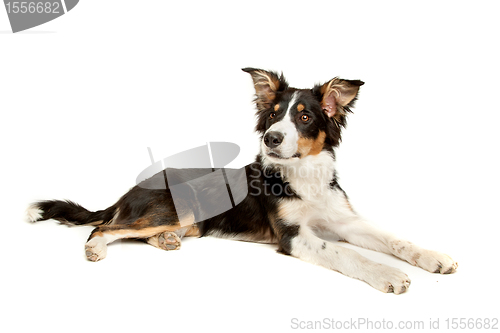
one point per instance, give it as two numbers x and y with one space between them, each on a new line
273 139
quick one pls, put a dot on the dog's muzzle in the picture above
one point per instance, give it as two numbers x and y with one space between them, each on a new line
273 141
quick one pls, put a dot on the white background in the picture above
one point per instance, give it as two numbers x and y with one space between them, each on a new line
83 96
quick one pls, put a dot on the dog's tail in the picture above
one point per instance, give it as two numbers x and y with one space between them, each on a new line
68 212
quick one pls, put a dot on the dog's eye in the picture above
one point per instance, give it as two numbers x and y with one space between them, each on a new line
272 115
305 118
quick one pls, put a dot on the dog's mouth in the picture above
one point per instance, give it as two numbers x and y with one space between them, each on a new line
278 156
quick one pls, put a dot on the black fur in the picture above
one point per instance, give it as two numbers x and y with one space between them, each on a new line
287 234
253 213
70 212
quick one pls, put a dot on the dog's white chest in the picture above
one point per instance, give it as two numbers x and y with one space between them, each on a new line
330 205
311 181
310 177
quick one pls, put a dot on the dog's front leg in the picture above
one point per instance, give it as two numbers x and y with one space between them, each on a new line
357 231
305 245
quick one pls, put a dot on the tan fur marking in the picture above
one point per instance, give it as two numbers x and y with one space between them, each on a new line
93 223
300 107
132 232
304 146
142 233
97 234
311 146
276 107
193 232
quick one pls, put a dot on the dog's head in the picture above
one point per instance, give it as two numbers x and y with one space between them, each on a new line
295 123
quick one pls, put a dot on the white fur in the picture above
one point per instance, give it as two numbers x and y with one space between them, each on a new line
33 213
290 135
429 260
96 248
310 248
310 176
325 211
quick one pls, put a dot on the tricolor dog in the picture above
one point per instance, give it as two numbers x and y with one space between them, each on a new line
293 200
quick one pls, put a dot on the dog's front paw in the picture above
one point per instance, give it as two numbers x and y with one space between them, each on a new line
436 262
389 280
432 261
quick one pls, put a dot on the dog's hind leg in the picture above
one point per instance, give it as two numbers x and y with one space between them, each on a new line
142 228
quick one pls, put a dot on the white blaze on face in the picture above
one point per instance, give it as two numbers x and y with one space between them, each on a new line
290 135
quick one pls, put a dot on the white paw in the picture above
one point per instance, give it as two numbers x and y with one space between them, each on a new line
34 213
432 261
436 262
389 279
96 249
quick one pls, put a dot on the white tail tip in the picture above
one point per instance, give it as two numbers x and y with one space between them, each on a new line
33 213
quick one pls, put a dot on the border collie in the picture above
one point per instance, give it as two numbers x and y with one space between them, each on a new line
299 130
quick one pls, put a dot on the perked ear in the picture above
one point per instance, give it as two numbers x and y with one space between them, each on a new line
337 95
267 84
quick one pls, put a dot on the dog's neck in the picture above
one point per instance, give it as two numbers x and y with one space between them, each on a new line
308 176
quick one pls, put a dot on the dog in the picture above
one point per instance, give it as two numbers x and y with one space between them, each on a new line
293 199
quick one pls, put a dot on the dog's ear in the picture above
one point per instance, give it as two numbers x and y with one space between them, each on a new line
337 95
267 84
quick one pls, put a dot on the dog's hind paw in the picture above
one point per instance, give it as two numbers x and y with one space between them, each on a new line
95 249
169 241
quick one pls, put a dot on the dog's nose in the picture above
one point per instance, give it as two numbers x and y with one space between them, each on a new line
273 139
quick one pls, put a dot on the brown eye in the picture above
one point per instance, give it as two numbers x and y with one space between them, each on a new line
272 115
305 118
